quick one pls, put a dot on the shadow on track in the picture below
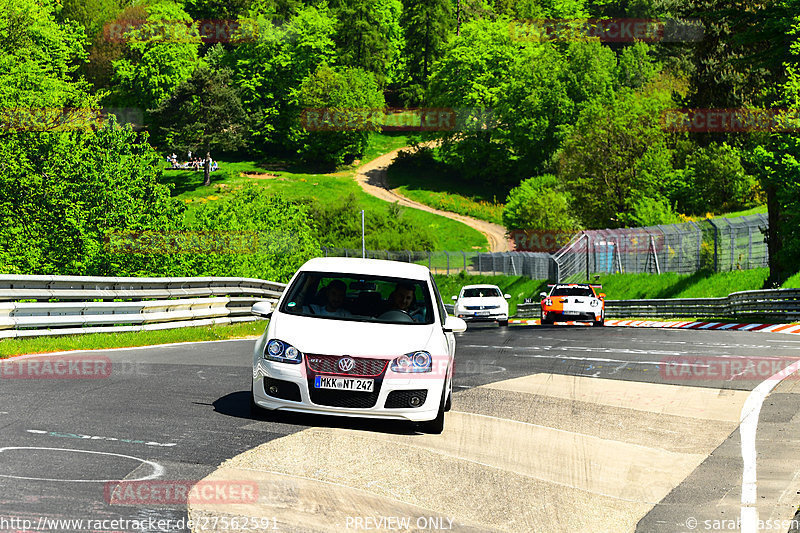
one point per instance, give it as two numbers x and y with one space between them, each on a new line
237 404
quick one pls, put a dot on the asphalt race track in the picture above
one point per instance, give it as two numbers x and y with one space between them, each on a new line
552 429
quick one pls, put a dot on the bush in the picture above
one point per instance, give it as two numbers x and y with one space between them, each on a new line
539 203
339 226
714 181
277 234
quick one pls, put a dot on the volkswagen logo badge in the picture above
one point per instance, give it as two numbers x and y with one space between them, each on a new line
346 364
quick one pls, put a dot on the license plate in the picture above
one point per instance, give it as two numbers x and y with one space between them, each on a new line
572 312
362 385
481 313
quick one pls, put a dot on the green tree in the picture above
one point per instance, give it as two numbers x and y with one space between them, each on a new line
776 161
270 70
616 156
40 88
63 194
368 36
338 108
427 25
203 114
714 181
158 56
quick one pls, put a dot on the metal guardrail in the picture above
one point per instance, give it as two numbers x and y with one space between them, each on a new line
781 305
64 305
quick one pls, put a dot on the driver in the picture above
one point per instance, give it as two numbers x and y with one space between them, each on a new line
402 298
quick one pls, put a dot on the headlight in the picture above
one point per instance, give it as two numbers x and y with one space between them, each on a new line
594 303
282 352
412 362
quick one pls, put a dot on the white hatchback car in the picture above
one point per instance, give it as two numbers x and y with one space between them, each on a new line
482 302
358 337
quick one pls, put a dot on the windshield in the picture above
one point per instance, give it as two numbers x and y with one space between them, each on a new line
573 291
481 292
359 298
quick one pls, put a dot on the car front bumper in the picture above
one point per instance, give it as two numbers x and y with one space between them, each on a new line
292 391
575 316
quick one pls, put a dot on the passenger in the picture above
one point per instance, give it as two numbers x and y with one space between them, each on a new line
335 293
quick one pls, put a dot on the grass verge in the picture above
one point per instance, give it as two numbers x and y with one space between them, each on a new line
99 341
446 194
671 285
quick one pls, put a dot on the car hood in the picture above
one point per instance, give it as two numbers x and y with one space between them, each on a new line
344 337
492 300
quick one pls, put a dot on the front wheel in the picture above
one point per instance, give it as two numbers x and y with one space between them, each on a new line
502 323
599 323
435 426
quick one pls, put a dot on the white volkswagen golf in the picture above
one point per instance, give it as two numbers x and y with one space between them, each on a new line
358 337
482 302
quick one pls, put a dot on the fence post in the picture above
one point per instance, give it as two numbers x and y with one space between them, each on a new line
733 248
448 262
494 266
480 267
429 260
345 253
716 244
749 246
587 257
465 260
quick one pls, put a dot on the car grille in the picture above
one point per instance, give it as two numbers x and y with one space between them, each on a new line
328 364
481 307
400 399
286 390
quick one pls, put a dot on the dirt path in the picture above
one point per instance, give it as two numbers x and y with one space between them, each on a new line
372 178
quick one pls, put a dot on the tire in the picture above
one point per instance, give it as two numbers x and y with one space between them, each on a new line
599 323
503 323
448 404
435 426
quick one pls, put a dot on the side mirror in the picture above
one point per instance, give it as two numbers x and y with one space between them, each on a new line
602 295
507 296
543 295
454 298
454 324
262 309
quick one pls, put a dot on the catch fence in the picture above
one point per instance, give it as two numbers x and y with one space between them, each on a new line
719 244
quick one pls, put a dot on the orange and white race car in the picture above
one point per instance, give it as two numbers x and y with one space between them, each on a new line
573 302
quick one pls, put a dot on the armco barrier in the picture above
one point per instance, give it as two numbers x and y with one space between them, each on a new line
782 305
64 305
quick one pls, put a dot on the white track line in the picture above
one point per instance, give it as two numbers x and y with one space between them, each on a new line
747 431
